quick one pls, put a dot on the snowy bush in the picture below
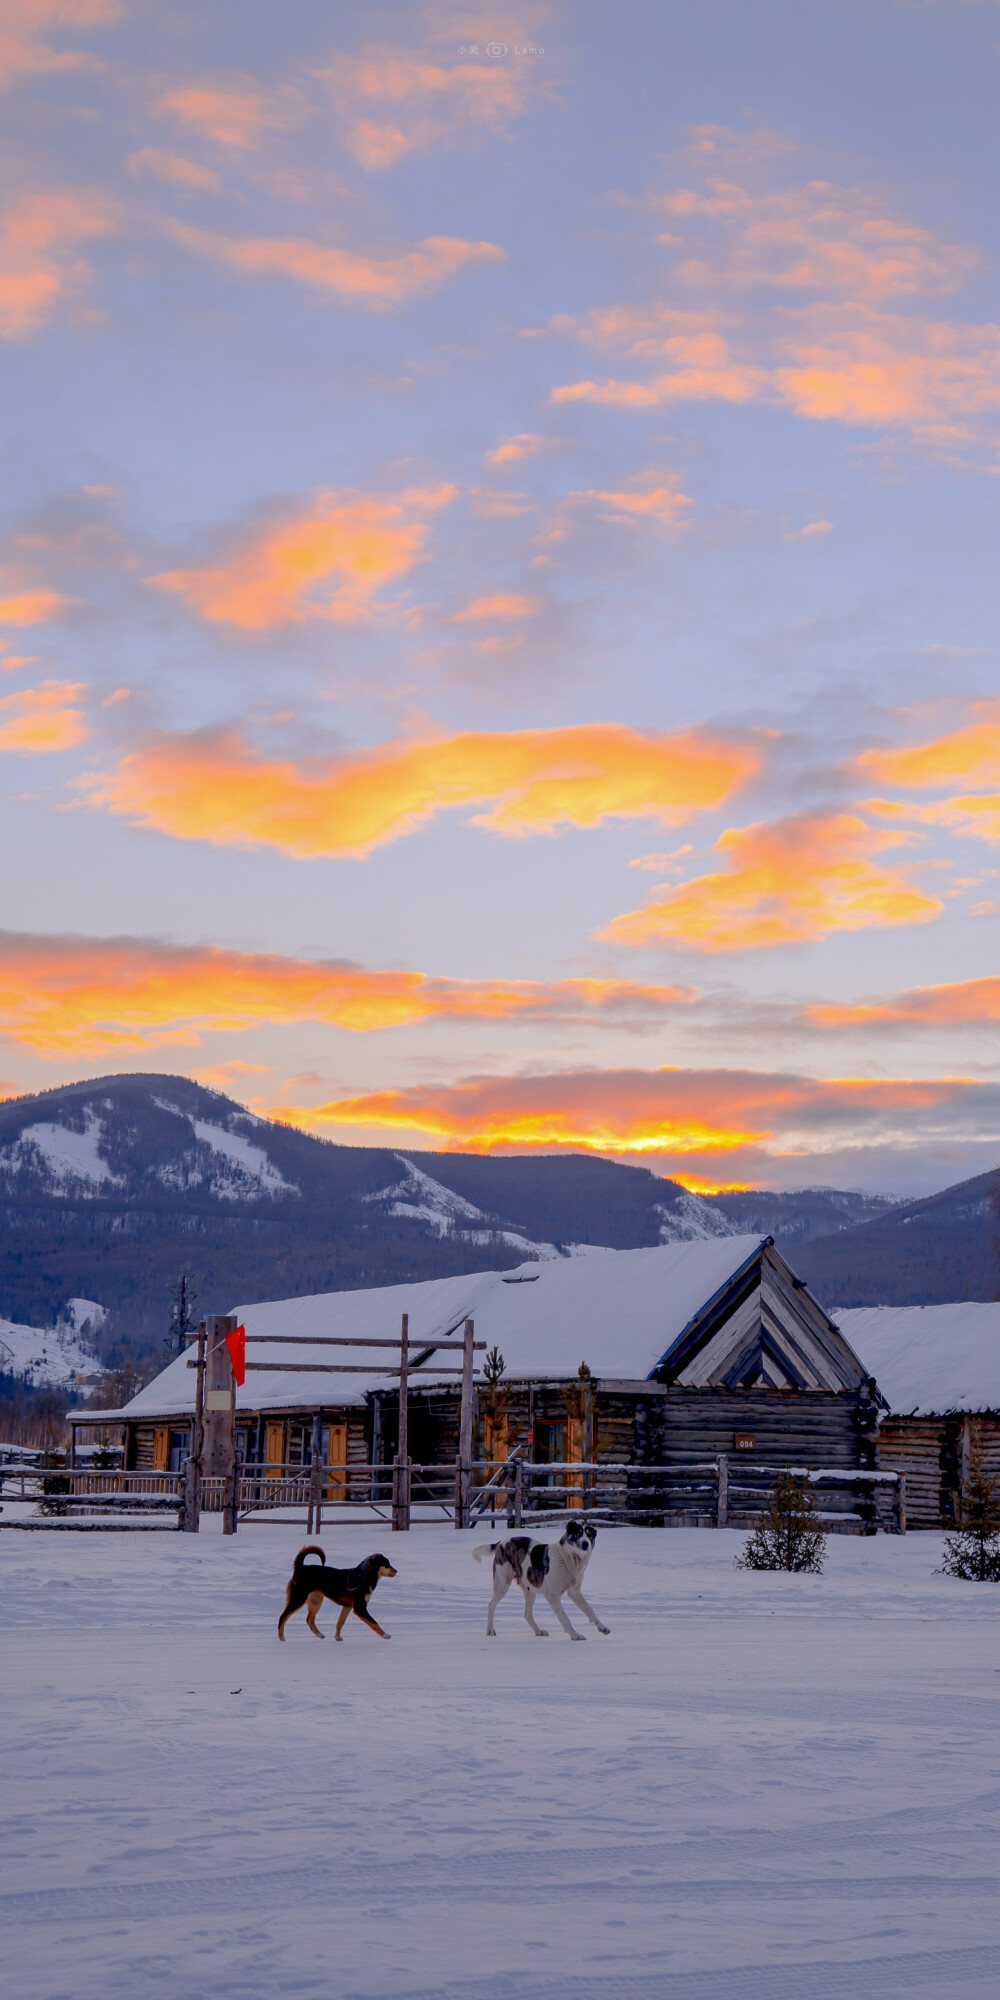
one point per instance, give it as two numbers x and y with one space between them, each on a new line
786 1536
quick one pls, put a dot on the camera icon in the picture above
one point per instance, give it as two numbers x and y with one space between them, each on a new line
496 48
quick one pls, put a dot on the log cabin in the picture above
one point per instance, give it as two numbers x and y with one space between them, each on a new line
648 1357
938 1369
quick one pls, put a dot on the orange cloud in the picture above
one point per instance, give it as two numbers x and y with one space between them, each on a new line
42 718
790 881
24 22
371 281
212 786
501 605
235 116
748 1118
847 342
863 367
328 560
817 237
663 505
967 1003
30 607
391 102
39 267
693 351
85 995
965 757
811 528
510 450
169 167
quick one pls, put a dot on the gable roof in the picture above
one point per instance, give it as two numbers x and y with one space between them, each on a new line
763 1329
931 1360
618 1310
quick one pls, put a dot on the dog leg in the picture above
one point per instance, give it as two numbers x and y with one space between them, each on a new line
367 1619
556 1604
342 1621
313 1603
529 1611
292 1604
501 1585
581 1603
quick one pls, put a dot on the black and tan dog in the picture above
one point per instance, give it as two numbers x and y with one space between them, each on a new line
350 1588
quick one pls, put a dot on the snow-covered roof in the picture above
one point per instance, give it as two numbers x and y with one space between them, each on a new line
928 1360
618 1310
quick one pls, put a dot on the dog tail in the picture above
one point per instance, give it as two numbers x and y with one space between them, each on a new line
311 1549
484 1549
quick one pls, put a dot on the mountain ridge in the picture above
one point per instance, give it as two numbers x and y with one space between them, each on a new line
111 1187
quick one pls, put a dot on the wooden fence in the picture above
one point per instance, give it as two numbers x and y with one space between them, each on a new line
702 1493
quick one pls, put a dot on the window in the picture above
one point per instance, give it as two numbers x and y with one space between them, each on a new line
180 1450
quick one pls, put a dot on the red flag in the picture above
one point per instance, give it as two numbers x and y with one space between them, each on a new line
237 1345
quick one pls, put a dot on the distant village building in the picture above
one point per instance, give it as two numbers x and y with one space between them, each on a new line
691 1350
938 1369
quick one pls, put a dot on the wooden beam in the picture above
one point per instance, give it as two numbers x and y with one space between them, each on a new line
332 1368
343 1340
190 1518
465 1428
401 1509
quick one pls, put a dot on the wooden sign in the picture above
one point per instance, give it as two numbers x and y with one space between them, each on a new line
744 1441
218 1399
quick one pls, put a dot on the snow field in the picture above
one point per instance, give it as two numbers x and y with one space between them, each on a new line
758 1788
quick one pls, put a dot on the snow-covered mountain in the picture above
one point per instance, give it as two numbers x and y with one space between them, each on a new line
84 1156
50 1357
112 1189
422 1199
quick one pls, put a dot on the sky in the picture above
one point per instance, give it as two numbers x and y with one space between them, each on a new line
498 574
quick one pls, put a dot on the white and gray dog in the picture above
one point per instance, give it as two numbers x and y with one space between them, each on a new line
550 1570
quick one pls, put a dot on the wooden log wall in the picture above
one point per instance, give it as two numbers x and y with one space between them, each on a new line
814 1427
653 1425
140 1448
929 1452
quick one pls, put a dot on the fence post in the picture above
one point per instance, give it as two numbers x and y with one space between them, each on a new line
315 1476
218 1452
518 1493
901 1503
722 1499
464 1467
232 1508
400 1475
192 1470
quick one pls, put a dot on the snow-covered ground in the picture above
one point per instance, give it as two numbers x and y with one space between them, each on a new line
758 1788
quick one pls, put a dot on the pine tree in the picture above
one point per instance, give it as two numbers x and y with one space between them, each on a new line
974 1553
786 1536
182 1302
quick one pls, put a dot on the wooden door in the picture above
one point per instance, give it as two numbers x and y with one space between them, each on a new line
574 1450
495 1437
161 1450
336 1456
274 1450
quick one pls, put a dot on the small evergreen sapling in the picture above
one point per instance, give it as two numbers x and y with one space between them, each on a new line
974 1553
786 1536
